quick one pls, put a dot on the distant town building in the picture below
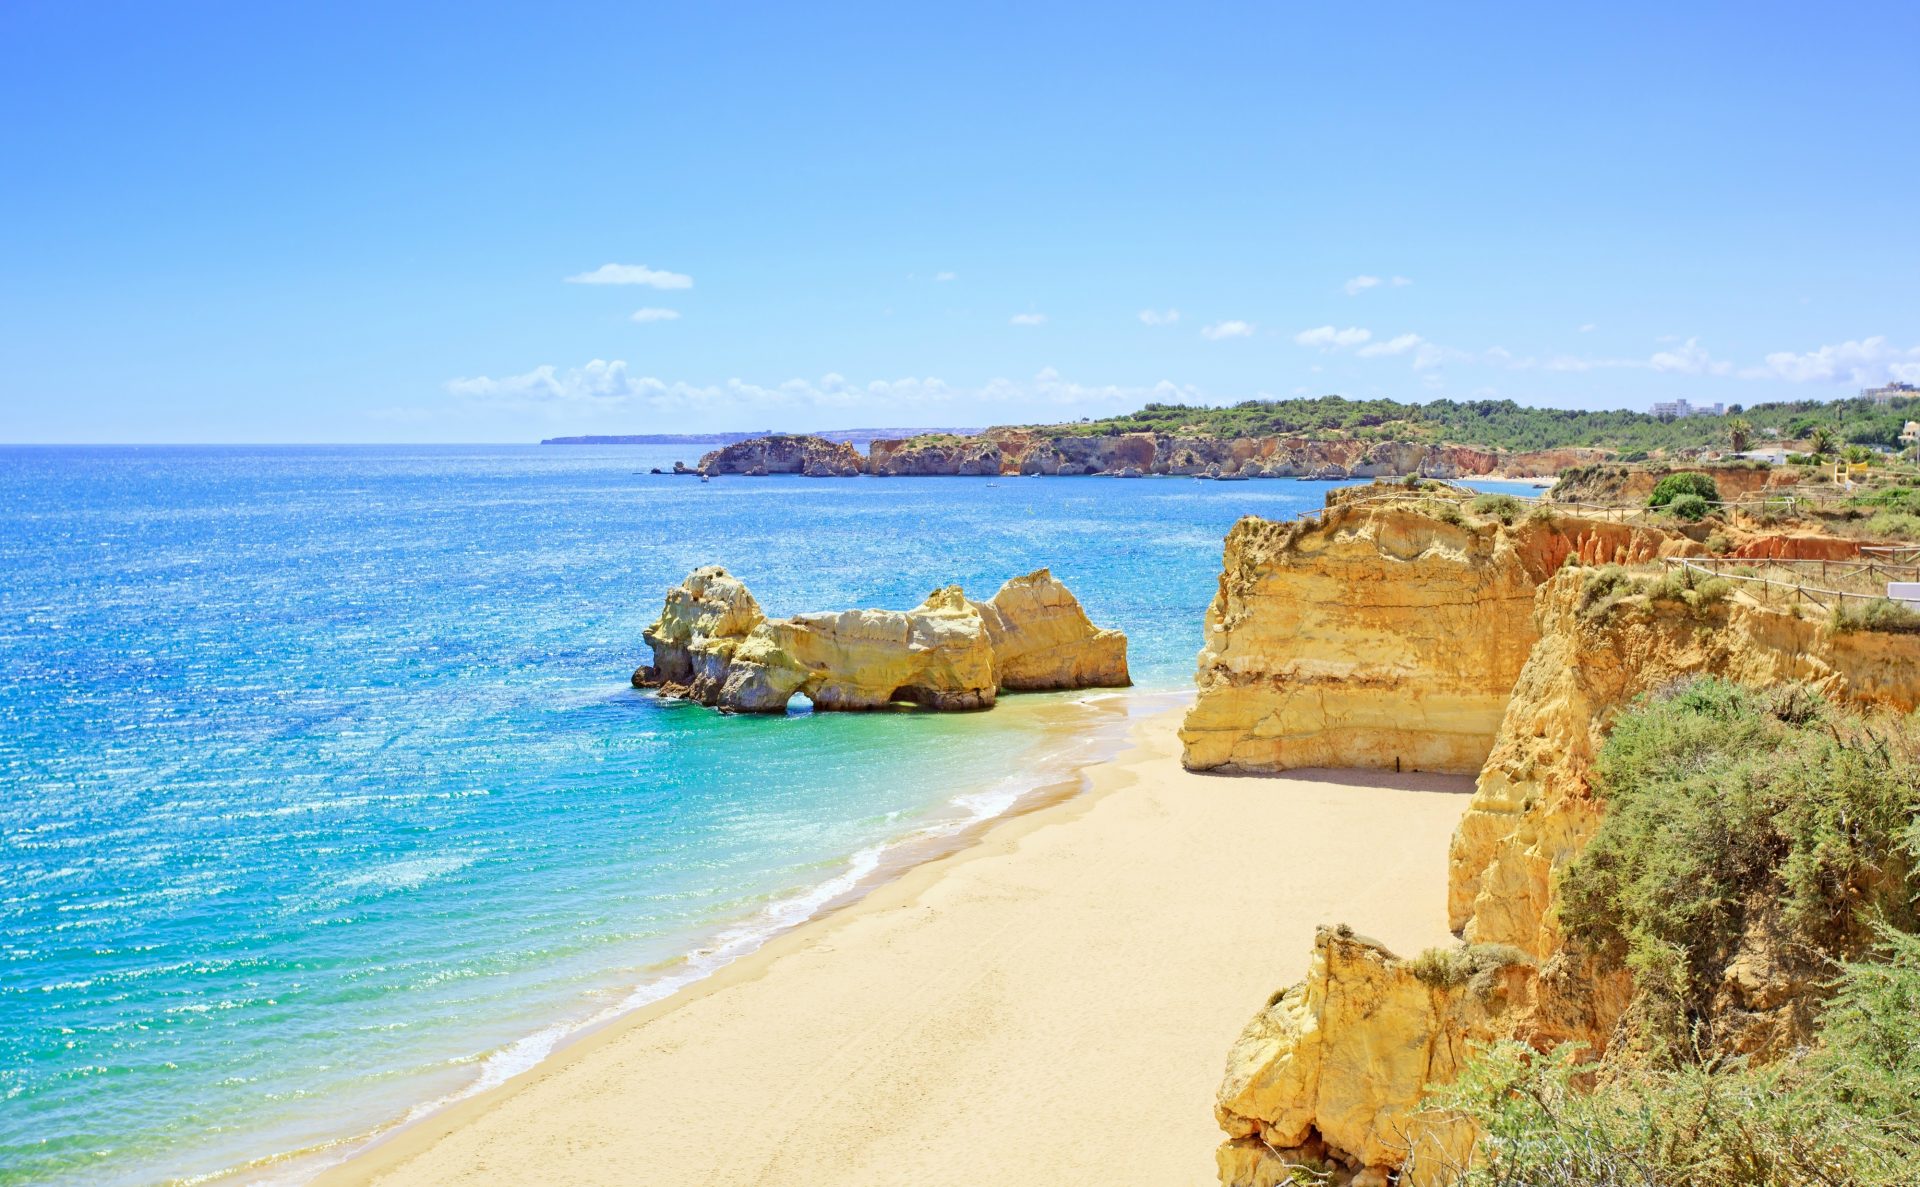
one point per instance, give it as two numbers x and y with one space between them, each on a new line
1680 410
1890 393
1911 433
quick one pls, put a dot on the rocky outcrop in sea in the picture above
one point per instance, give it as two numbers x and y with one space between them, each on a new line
713 644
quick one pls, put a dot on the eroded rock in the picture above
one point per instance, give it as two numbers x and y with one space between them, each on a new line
712 644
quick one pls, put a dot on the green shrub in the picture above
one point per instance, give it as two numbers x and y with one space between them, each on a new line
1675 485
1719 544
1504 508
1714 1125
1468 964
1870 1035
1604 587
1689 507
1894 525
1880 614
1448 512
1723 801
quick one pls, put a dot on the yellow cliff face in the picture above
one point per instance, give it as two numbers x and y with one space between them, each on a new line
1042 638
712 644
1334 1069
704 620
1331 1073
1379 637
1532 810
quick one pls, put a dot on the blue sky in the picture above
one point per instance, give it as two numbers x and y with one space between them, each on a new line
344 222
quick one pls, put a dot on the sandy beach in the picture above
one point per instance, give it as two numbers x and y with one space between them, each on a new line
1050 1005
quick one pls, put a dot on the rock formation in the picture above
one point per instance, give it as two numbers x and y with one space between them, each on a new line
1333 1070
815 457
1632 483
1042 639
1053 452
1331 1073
712 644
1379 635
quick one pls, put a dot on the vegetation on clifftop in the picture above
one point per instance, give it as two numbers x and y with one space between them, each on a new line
1769 826
1503 424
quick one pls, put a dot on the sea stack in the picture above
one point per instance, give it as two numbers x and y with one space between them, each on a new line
713 644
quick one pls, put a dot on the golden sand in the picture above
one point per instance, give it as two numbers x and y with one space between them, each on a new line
1051 1005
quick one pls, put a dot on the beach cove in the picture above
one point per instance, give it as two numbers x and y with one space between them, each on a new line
1050 1004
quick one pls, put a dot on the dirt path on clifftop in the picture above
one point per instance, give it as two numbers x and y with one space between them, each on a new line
1052 1005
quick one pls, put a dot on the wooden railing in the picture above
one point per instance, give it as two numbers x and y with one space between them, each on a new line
1801 590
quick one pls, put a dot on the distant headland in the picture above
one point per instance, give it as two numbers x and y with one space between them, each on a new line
1324 437
841 436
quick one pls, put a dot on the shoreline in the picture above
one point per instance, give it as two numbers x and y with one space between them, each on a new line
787 1002
1076 740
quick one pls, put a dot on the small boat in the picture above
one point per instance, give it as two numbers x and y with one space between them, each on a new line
706 478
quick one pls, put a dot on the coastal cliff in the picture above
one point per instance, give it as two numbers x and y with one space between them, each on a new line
1607 482
1331 1074
713 644
1032 451
815 457
1381 634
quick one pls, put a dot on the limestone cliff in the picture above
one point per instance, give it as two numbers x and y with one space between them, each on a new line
1532 808
1042 638
1014 450
781 453
712 644
1028 451
1330 1075
1632 483
704 621
1599 642
1380 635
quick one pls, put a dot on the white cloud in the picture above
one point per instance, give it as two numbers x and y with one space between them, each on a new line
633 274
646 315
1328 338
1028 319
1588 328
1155 318
603 389
1865 362
942 277
1689 358
1220 331
1361 284
1400 344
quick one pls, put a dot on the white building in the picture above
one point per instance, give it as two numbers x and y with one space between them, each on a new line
1890 393
1680 410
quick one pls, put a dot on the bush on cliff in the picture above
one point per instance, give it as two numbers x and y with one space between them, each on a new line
1673 486
1880 614
1504 508
1730 810
1731 814
1691 508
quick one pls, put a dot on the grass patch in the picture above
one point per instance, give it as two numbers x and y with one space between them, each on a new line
1474 965
1880 614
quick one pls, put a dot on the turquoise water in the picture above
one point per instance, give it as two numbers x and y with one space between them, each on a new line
323 793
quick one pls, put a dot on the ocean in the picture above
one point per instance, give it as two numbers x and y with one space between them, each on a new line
324 796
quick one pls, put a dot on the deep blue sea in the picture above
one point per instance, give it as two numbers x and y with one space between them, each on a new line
324 796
